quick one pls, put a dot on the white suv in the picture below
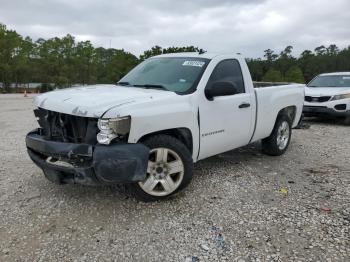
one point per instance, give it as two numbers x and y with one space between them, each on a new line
328 95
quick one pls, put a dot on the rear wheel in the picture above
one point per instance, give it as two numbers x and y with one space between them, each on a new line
169 169
277 143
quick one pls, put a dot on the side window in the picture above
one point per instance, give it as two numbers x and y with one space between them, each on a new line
228 71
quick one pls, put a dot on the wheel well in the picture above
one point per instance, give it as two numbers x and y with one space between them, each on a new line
290 111
182 134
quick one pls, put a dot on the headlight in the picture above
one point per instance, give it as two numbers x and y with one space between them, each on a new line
338 97
112 128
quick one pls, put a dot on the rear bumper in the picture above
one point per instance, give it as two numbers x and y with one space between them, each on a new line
324 111
92 164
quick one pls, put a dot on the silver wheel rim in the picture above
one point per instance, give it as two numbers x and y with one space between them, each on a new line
283 135
165 172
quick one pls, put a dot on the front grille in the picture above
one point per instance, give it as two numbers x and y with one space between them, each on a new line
314 99
67 128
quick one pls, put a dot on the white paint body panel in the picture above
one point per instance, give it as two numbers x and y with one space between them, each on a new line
170 112
271 100
94 101
223 114
156 110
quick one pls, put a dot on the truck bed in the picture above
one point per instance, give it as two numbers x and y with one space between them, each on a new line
270 100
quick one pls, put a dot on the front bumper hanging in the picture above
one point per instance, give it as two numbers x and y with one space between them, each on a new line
70 163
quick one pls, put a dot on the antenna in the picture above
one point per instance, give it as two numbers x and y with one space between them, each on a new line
201 51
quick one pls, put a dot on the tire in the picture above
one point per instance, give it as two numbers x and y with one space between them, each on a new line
347 121
165 152
300 123
277 143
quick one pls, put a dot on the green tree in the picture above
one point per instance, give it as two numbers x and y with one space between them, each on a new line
320 50
294 75
285 60
256 68
332 50
273 76
62 61
13 57
307 64
270 55
157 50
84 61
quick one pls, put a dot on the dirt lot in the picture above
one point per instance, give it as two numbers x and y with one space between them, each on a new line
241 205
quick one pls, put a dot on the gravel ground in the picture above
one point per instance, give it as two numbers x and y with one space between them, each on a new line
241 205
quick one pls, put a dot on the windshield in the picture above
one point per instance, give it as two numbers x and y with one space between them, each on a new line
177 74
331 81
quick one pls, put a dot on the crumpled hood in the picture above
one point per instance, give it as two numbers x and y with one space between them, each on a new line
326 91
95 100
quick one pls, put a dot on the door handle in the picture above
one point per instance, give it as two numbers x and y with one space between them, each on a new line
244 105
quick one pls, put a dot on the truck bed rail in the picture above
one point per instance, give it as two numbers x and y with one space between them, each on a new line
265 84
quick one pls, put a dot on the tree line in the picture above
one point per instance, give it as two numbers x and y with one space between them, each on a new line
62 62
283 67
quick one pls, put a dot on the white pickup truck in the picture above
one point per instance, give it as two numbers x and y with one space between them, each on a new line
167 113
329 95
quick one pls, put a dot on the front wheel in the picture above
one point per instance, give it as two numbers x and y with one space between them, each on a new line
169 169
277 143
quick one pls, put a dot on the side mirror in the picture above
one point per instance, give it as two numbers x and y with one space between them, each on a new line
220 89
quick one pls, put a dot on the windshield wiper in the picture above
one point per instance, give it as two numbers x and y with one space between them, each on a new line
152 86
124 84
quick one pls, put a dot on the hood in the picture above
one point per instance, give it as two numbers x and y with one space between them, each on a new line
94 101
326 91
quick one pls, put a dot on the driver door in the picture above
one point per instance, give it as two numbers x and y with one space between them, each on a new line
226 121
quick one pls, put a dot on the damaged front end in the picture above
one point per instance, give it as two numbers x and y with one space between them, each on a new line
65 147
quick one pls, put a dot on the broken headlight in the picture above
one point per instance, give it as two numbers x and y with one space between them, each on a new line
112 128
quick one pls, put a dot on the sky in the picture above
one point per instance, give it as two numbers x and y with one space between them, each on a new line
241 26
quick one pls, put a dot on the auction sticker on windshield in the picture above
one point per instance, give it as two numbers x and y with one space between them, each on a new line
193 63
